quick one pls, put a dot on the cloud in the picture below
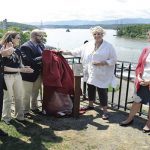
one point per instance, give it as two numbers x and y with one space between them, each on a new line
121 1
52 10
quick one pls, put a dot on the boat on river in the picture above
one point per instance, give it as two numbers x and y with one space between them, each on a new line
67 30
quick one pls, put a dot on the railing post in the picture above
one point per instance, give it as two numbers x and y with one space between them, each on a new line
77 93
78 71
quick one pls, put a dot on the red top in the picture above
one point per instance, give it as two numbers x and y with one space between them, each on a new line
140 66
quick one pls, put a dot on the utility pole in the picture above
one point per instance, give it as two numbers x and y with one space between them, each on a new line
4 24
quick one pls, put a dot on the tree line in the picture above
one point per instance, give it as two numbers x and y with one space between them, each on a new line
23 29
138 31
25 35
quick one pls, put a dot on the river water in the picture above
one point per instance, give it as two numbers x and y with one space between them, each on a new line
126 49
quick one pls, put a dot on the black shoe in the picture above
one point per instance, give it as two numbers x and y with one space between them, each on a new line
22 121
105 116
42 113
146 131
35 111
126 124
3 134
28 115
87 108
7 122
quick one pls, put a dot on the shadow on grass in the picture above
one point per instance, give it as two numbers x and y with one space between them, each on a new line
116 116
60 124
32 137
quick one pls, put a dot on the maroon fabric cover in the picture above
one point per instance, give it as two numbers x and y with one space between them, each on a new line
57 73
57 77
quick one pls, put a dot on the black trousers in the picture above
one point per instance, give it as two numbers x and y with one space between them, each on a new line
1 93
102 93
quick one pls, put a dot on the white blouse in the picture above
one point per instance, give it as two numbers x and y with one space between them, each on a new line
146 73
99 76
102 76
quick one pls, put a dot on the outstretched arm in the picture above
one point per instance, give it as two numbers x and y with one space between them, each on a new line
25 69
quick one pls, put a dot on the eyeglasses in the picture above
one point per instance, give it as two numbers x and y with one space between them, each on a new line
18 38
98 34
39 35
148 34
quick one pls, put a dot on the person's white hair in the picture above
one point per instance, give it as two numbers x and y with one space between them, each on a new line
97 29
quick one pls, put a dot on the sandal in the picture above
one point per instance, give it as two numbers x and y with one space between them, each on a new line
146 129
81 112
105 116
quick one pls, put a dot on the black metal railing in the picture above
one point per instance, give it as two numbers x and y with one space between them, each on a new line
120 98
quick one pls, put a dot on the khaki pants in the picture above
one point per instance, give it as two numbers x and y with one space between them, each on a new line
14 93
31 92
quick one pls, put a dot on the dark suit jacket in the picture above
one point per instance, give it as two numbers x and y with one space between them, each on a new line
33 58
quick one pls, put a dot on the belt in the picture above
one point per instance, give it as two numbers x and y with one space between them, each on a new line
10 72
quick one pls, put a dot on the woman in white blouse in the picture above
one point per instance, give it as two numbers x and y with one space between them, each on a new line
98 58
101 65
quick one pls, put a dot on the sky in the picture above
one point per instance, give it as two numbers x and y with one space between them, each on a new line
25 11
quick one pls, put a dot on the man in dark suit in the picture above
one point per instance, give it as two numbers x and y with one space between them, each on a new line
32 56
3 53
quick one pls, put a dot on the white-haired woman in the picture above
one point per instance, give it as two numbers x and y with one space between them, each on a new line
98 58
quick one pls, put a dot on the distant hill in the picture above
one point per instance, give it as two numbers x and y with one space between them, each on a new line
22 26
19 25
92 22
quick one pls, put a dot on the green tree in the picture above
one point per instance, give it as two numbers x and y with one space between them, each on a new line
133 31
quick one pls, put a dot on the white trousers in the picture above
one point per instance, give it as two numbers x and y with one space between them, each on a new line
14 94
31 92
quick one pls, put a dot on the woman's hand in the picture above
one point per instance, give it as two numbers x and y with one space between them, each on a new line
142 81
139 78
145 82
102 63
8 45
26 69
6 51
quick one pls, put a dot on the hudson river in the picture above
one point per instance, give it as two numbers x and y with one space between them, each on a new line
126 49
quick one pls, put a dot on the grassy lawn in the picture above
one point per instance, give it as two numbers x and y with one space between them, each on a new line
44 133
88 132
36 134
